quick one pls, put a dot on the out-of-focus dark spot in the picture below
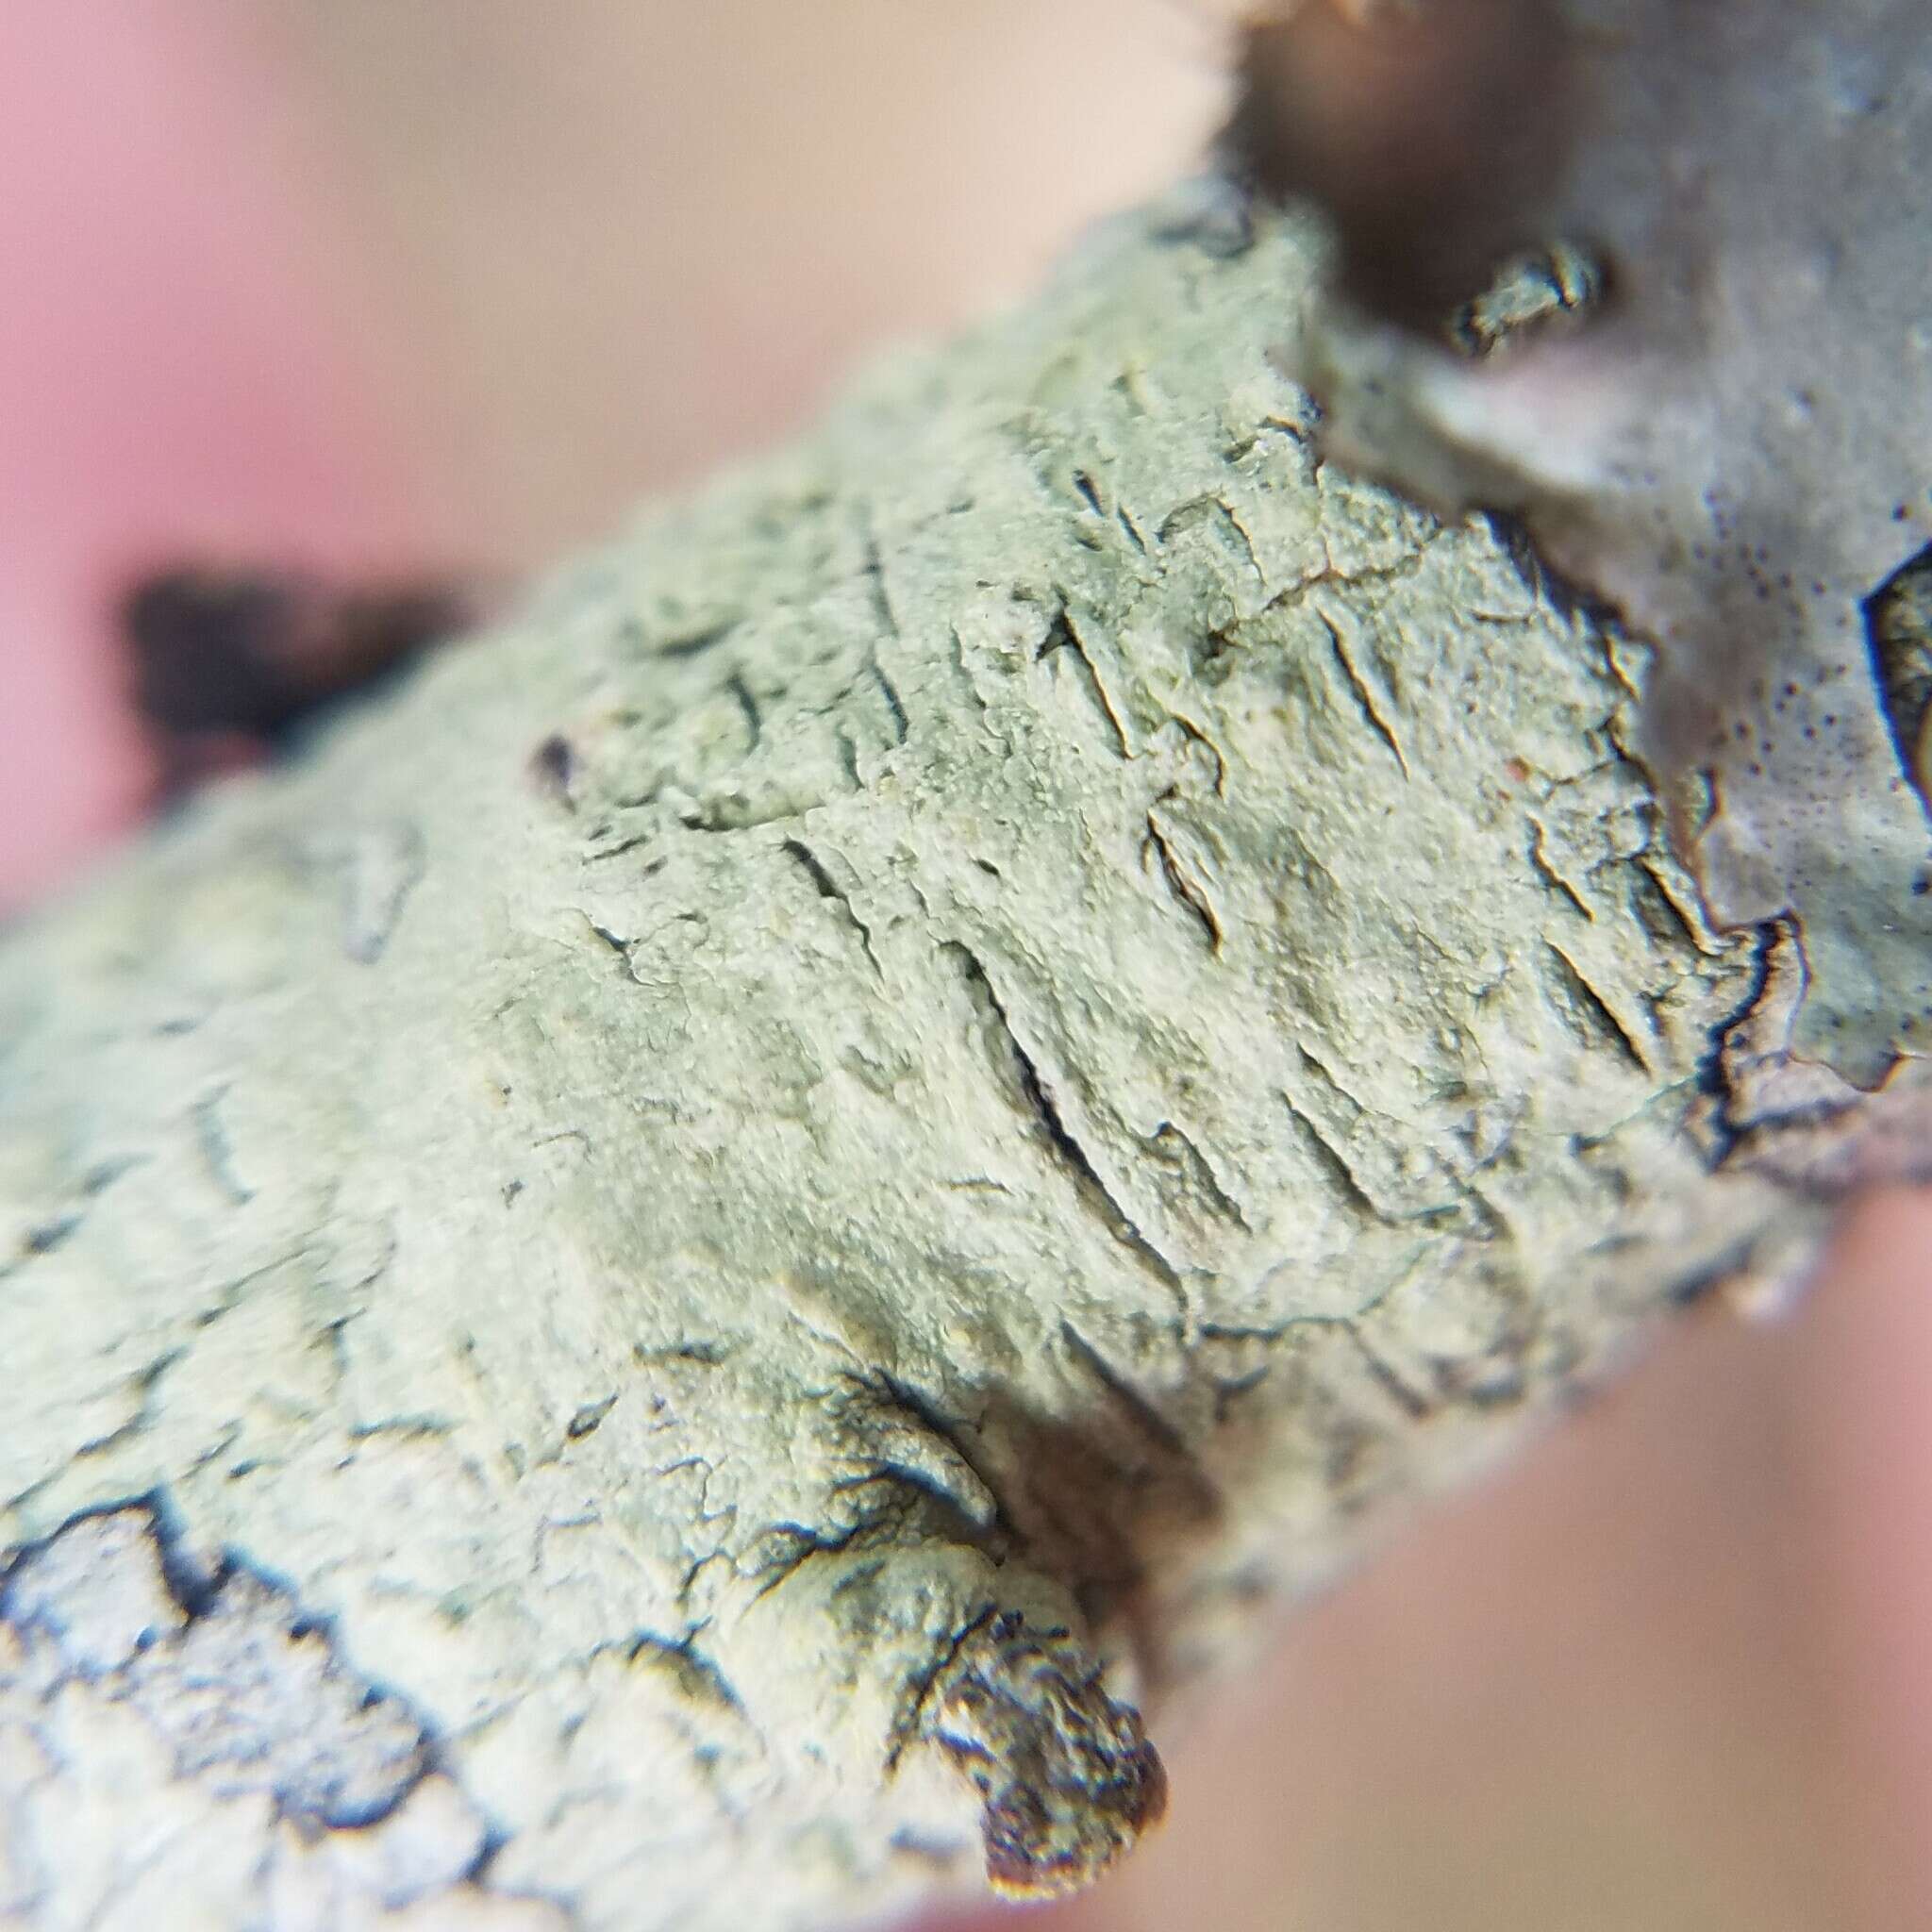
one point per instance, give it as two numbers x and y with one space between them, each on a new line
1434 137
553 766
229 661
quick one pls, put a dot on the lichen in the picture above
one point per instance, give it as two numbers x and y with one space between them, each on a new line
1086 997
1735 455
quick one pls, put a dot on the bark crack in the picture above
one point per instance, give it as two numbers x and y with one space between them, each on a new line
1333 1163
1187 889
1145 1416
902 727
1540 857
1364 696
829 890
1583 996
1063 634
926 1415
217 1153
748 704
909 1724
1038 1091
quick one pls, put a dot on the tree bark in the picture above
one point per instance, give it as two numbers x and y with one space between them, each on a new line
667 1282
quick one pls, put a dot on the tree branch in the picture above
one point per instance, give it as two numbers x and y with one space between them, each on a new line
662 1284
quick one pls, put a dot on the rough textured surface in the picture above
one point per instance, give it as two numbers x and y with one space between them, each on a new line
1736 452
715 1238
170 1744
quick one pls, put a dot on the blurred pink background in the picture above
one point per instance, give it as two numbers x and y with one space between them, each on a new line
371 285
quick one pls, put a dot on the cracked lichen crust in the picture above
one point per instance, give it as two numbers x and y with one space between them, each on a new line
175 1744
777 1193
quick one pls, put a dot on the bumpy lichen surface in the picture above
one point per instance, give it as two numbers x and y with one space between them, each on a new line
723 1235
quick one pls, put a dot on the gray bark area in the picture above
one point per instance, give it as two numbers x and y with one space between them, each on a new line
663 1284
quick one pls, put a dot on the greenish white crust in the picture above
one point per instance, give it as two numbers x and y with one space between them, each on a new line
788 1186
